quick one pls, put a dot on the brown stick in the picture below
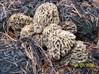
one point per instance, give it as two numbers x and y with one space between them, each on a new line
76 10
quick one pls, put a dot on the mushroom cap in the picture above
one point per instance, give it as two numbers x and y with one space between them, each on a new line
38 28
79 53
69 26
60 44
50 29
18 21
46 14
31 29
28 30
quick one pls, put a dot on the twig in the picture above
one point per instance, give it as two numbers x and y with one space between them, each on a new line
32 58
5 34
41 50
76 10
44 53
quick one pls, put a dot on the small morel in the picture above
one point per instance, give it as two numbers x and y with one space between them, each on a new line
69 26
18 21
79 53
28 30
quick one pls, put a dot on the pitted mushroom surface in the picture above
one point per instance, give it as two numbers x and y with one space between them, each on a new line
60 44
79 53
18 21
69 26
46 14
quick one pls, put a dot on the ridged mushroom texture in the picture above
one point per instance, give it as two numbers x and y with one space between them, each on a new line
48 30
18 21
60 43
46 14
79 53
68 26
28 30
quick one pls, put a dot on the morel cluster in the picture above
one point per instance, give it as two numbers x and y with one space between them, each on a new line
45 27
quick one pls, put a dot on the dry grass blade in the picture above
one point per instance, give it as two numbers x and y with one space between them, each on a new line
5 34
76 11
23 71
31 57
30 54
4 10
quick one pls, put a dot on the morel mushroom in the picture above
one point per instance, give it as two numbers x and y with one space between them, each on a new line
38 29
79 53
69 26
18 21
46 14
48 30
60 44
28 30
